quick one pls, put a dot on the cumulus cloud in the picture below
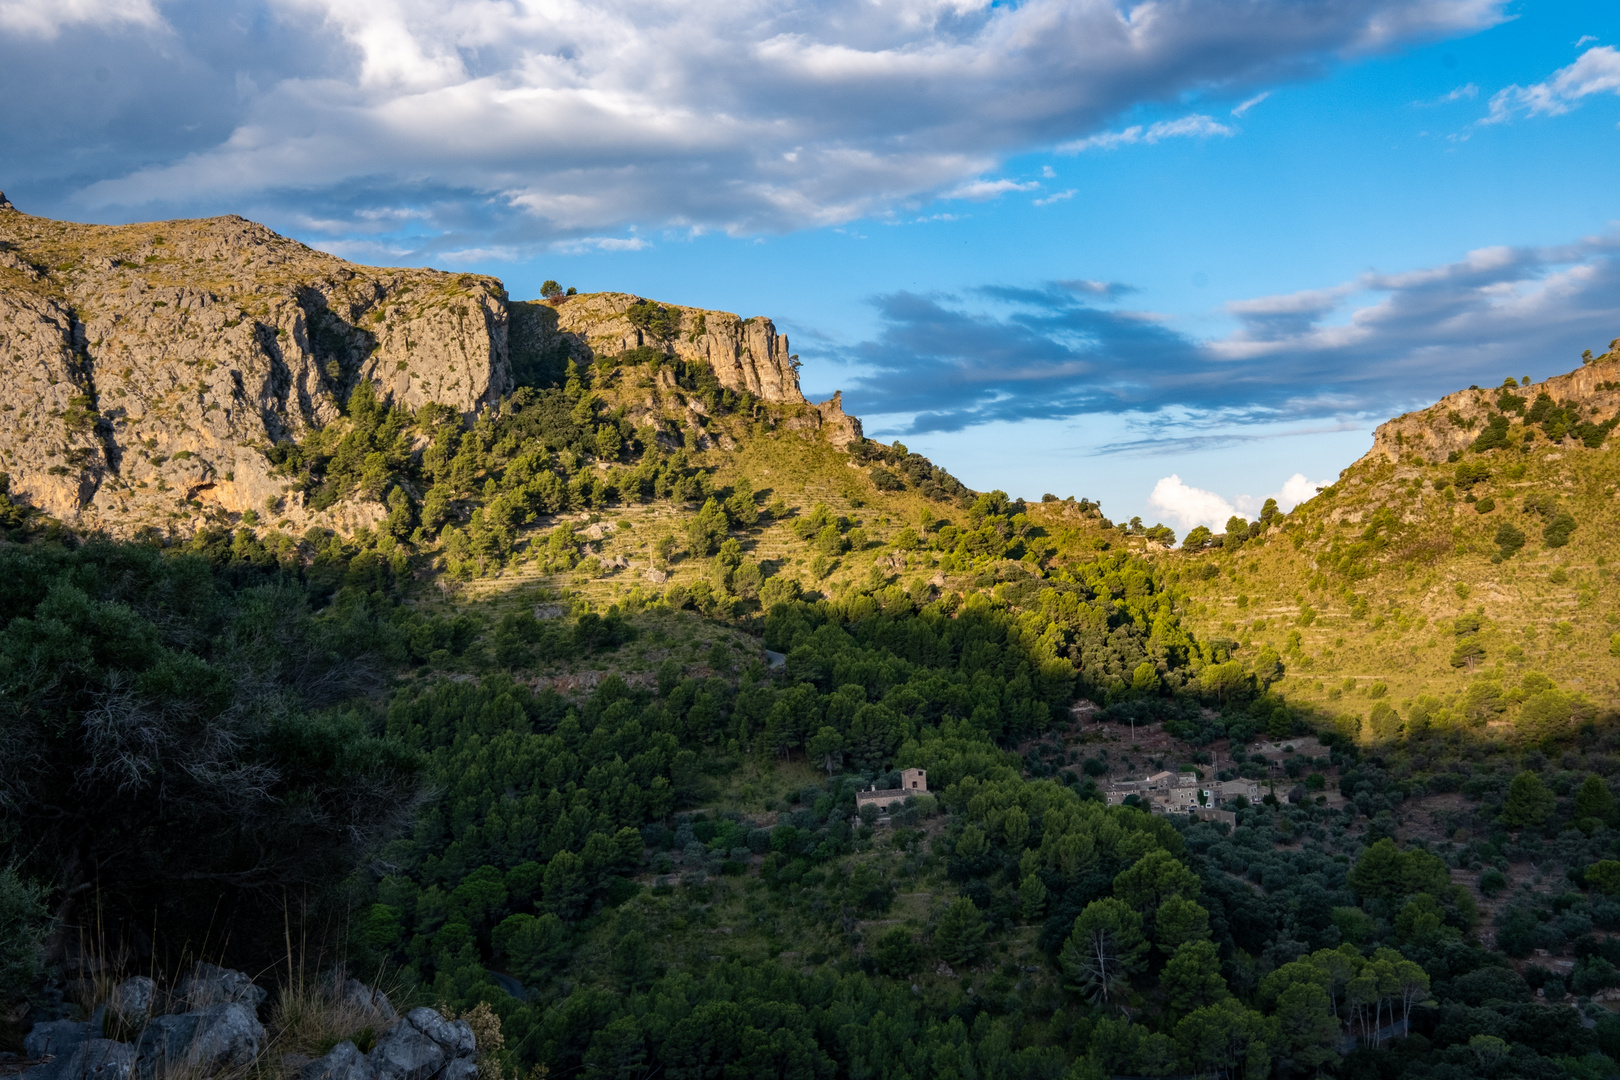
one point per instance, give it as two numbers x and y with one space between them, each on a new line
1190 506
528 123
1057 196
1362 348
1596 72
46 18
1195 126
1295 490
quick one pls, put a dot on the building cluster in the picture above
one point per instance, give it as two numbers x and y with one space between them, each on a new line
1183 793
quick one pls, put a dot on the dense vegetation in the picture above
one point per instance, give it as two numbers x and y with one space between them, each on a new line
667 871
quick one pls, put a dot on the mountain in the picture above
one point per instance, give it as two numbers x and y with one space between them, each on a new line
151 369
1459 569
543 656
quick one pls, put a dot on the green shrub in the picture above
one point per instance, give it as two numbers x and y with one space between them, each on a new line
1508 539
1558 530
23 922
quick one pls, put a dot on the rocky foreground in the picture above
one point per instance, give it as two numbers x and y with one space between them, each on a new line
210 1024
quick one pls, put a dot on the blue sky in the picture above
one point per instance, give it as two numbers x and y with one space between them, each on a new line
1168 255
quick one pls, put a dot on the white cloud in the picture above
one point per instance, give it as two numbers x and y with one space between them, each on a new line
46 18
1251 103
1059 196
1466 92
1596 72
1190 506
1584 38
1196 125
1295 490
601 243
980 190
526 123
1494 302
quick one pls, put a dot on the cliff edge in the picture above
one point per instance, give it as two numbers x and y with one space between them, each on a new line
147 370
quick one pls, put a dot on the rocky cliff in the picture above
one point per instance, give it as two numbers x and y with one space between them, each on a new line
1452 424
146 370
745 354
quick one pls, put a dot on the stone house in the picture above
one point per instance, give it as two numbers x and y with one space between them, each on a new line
912 782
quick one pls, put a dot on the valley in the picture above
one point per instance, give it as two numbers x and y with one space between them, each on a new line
531 655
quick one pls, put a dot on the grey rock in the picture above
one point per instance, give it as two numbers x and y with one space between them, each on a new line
343 1062
55 1038
133 999
269 337
86 1059
210 985
220 1036
425 1045
99 1059
367 1000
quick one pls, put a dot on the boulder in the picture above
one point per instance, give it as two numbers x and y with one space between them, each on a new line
343 1062
373 1003
133 999
85 1059
426 1045
57 1040
210 1039
99 1059
210 985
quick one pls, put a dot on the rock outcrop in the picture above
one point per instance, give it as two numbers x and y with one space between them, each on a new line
1456 420
422 1046
745 354
209 1025
213 1026
145 369
147 372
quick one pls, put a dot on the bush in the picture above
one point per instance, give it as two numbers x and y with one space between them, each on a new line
1492 881
1508 539
960 932
1558 530
896 953
23 922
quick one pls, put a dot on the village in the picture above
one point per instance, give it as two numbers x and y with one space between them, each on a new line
1217 790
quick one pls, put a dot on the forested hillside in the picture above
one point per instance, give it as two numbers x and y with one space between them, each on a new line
576 726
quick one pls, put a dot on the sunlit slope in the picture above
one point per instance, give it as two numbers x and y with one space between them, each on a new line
1459 575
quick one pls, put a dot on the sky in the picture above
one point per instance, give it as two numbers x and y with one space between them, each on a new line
1175 256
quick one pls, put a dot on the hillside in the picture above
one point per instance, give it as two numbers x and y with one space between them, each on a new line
1460 563
536 655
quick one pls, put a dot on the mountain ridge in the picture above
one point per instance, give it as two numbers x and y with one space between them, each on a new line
151 367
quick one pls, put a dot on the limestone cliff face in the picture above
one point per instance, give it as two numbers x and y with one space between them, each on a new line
145 369
1433 434
745 354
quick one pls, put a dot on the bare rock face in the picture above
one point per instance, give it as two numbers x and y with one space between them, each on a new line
146 369
1456 420
745 354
